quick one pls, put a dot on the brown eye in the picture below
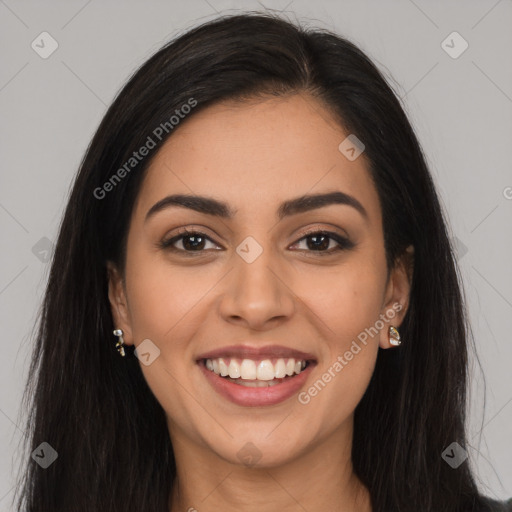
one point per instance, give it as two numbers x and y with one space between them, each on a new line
191 241
320 241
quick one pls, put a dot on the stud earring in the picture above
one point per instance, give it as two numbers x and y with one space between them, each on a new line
120 341
394 336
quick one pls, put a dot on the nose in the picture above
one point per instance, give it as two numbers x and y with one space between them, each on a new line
256 295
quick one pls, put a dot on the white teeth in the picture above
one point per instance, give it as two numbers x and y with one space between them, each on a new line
290 367
248 369
251 370
265 370
234 369
223 368
280 369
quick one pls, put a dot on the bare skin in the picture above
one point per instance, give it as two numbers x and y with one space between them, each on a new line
254 156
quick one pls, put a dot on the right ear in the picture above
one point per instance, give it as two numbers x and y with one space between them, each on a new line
118 303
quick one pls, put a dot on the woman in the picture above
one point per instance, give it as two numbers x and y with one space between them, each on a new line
253 302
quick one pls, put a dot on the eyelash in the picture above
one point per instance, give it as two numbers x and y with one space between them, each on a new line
343 243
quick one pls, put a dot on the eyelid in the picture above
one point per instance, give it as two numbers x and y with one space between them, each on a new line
318 228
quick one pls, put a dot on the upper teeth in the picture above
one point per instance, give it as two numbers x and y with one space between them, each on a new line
255 370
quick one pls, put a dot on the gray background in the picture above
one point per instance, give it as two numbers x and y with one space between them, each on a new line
461 109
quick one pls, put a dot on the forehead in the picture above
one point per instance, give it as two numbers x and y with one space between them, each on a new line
256 154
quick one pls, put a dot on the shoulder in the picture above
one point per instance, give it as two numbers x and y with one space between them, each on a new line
491 505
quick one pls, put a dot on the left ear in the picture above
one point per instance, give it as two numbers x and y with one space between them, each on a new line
118 303
396 301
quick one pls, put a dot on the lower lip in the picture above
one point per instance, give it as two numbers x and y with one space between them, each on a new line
254 397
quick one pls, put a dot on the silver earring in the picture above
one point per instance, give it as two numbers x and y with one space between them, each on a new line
394 336
120 341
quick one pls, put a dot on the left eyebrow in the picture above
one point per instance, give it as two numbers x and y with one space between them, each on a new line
210 206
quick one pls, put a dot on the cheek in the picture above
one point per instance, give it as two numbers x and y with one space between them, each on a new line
165 307
346 306
347 301
162 296
347 316
337 388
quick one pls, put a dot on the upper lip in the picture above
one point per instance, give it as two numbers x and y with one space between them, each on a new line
249 352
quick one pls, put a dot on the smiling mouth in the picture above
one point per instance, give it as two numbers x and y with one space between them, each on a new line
256 373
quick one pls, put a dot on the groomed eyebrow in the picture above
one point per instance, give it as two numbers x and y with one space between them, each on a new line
210 206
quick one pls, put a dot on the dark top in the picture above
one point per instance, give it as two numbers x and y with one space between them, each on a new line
491 505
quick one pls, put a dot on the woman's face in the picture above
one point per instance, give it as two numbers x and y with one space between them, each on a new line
244 283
